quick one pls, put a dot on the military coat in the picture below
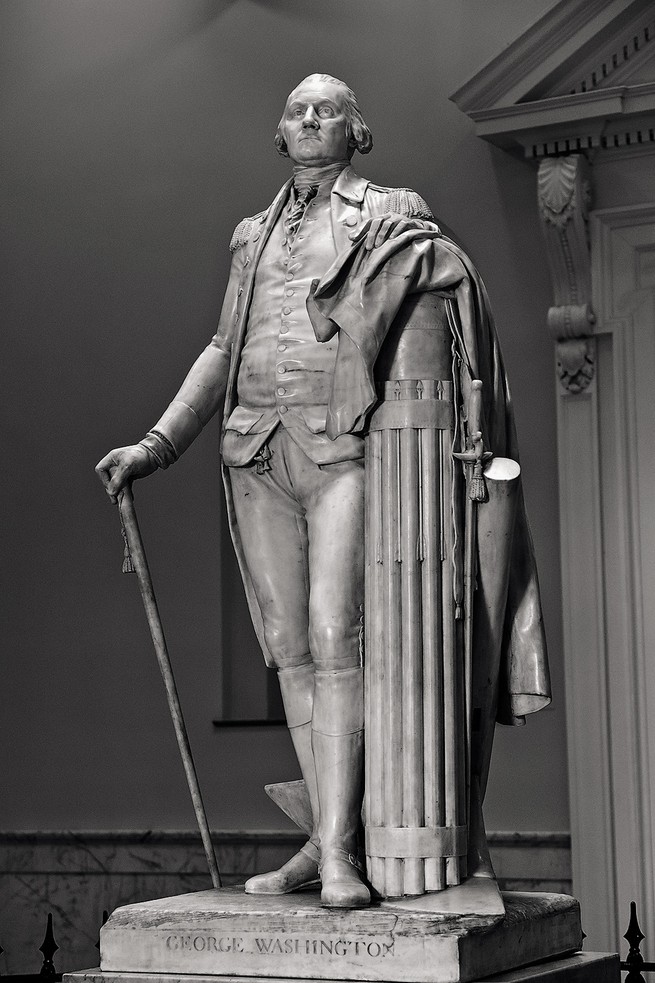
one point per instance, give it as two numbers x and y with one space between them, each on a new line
353 200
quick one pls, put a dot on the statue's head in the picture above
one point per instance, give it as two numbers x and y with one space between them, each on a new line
321 123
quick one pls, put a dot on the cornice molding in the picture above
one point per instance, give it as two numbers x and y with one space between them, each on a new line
585 46
617 61
550 42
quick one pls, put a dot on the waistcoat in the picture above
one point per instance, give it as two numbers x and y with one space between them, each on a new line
285 374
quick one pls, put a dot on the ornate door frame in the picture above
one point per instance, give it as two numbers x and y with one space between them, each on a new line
575 89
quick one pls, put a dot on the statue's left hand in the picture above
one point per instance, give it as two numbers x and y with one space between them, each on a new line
378 230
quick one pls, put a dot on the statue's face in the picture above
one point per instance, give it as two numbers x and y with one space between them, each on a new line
315 125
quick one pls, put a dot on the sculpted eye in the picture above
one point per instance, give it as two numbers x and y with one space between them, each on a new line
326 111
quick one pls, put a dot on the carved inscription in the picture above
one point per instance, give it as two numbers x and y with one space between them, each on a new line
277 945
204 943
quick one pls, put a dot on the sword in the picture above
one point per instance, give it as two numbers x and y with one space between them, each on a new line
135 562
474 457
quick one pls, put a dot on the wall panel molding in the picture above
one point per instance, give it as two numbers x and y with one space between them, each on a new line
623 248
78 874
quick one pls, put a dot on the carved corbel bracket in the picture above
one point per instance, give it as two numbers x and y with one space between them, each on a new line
564 198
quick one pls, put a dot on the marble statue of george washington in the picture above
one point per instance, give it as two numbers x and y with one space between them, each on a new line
294 471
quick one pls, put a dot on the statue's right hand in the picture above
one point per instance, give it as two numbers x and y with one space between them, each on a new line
122 466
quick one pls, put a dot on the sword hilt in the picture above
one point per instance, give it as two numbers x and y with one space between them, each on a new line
474 455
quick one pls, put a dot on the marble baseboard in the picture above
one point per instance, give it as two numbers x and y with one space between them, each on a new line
583 967
78 874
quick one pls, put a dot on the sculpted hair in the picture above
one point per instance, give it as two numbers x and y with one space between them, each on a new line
358 133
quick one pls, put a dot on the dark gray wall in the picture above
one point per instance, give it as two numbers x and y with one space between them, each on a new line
136 133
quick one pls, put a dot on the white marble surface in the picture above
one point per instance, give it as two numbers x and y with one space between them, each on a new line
228 933
583 967
78 874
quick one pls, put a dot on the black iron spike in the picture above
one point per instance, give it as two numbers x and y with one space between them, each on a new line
634 937
48 947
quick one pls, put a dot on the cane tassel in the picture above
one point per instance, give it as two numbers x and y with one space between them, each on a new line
477 489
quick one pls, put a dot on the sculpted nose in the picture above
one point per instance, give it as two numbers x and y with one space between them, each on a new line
310 118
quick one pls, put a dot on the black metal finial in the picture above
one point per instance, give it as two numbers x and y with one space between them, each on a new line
48 947
105 916
634 937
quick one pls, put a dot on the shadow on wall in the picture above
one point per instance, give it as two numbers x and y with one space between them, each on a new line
92 34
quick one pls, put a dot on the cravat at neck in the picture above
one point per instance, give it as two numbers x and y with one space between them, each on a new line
304 177
296 212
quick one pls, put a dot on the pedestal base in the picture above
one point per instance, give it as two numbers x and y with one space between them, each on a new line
583 967
227 933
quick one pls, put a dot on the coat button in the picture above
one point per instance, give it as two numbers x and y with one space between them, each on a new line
281 391
286 310
283 409
282 368
351 220
282 348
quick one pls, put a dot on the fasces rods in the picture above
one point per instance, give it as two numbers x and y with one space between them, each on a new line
392 668
416 753
411 651
452 732
432 466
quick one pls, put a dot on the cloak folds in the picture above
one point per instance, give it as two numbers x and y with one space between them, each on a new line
359 297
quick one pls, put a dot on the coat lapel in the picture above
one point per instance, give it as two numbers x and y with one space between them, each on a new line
346 201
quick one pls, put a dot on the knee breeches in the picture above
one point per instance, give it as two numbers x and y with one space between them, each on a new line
301 527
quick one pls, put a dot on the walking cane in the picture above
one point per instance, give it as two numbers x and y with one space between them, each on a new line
135 562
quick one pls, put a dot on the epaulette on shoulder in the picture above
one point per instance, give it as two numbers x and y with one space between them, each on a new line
404 201
241 234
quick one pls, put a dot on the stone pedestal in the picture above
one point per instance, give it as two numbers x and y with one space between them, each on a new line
583 967
230 934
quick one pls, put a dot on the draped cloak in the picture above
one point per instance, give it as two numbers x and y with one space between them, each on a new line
359 298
